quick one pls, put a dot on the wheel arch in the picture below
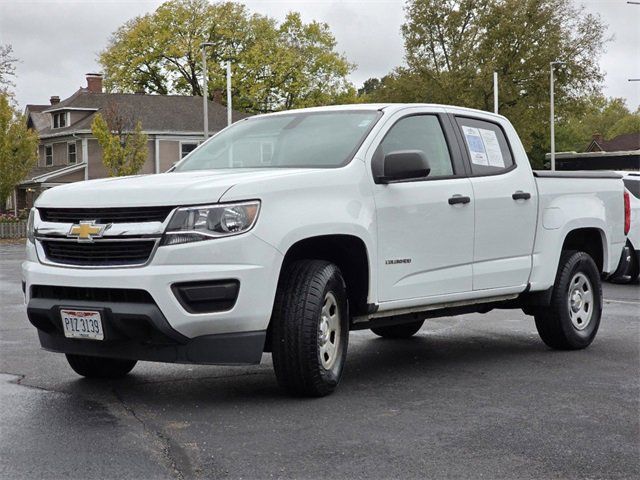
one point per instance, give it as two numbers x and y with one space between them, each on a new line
348 252
591 240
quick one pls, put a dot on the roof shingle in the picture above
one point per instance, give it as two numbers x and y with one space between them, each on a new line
157 113
622 143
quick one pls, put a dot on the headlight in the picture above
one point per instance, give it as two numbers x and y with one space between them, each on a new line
31 236
192 224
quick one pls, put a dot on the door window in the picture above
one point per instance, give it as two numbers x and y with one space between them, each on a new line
423 133
486 145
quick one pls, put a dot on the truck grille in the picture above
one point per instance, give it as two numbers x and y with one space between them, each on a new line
105 215
102 253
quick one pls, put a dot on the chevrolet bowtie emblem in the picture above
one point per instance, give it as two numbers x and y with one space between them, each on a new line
87 231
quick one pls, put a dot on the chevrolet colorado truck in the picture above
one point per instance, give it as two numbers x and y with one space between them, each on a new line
285 231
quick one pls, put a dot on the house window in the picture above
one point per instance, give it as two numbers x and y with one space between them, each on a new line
266 153
60 120
71 152
48 155
186 148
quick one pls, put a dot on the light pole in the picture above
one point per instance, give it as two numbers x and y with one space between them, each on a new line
229 109
495 92
205 88
552 115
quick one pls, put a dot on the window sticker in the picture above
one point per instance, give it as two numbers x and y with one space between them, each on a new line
476 146
492 147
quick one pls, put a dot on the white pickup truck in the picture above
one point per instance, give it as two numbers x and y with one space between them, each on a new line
285 231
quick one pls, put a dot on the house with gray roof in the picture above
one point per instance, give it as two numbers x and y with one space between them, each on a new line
619 153
68 152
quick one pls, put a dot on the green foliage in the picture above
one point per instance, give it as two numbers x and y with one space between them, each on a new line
598 115
275 66
124 151
628 124
454 46
18 148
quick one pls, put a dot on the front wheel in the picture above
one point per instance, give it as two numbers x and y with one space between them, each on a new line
571 320
310 328
100 367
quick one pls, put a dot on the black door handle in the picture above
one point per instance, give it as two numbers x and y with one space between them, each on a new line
458 199
520 195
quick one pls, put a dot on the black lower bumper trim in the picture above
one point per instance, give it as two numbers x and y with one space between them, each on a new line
139 331
224 349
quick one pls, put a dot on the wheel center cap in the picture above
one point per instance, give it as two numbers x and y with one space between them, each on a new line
576 300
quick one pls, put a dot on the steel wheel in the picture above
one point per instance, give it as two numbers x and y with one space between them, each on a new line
329 332
580 301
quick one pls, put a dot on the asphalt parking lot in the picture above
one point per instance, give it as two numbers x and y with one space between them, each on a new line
476 396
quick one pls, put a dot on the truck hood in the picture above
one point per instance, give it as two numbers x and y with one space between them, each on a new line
175 188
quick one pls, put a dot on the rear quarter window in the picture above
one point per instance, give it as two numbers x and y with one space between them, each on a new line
486 145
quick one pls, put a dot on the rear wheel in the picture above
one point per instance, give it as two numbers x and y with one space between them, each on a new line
571 320
310 328
406 330
100 367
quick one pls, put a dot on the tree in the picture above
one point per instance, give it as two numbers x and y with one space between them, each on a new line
370 86
628 124
454 46
7 67
275 66
124 145
18 148
608 117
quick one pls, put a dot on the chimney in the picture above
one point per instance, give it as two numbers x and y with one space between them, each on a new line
217 96
94 82
54 100
597 137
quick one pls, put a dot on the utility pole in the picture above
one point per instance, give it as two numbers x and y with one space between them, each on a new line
205 88
495 92
552 115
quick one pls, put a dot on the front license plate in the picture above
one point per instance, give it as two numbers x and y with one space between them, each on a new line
85 324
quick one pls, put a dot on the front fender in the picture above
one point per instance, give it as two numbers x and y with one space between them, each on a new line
326 202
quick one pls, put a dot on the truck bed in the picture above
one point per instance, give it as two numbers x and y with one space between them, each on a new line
575 174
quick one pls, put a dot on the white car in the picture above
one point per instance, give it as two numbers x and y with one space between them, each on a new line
629 269
285 231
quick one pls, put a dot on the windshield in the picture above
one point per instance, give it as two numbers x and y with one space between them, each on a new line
305 139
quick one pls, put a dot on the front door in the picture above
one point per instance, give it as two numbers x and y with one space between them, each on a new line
425 228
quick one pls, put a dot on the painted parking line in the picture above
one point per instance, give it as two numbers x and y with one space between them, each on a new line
624 302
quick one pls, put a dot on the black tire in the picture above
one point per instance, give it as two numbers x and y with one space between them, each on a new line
406 330
554 322
634 268
306 288
100 367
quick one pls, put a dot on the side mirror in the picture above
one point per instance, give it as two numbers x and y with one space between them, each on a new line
404 165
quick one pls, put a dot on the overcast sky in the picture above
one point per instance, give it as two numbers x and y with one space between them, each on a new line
57 41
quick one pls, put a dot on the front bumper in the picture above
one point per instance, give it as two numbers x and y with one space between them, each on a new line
139 331
255 266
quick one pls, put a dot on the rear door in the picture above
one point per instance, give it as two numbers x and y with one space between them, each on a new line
425 239
505 199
